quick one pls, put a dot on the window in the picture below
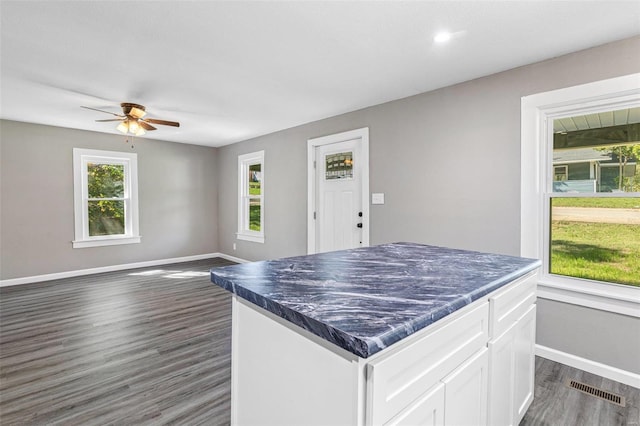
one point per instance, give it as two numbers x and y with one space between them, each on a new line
105 198
339 166
584 221
560 173
594 220
251 197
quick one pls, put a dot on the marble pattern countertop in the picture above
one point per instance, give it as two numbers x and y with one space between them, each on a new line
366 299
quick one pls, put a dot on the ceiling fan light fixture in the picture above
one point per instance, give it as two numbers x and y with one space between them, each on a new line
137 112
442 37
133 126
132 121
123 126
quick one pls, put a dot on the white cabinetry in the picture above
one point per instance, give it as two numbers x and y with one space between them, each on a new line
512 354
466 392
460 398
472 367
428 410
524 359
398 378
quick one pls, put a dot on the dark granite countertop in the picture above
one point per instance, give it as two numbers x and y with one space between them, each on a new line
366 299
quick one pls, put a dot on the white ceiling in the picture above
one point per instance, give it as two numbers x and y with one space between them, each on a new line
229 71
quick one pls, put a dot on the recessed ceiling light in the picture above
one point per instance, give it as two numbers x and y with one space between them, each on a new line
442 37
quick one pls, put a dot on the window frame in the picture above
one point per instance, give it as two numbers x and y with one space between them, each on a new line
244 231
565 173
538 112
81 157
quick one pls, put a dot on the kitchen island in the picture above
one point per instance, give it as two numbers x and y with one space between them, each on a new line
393 334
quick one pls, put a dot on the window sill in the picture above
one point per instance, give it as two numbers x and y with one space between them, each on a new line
616 298
250 237
107 241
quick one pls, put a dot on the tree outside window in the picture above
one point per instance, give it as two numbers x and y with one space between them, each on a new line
106 199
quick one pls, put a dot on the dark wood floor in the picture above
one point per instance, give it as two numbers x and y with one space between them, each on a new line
152 346
556 404
131 347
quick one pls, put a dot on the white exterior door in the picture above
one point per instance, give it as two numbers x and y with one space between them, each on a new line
338 193
339 205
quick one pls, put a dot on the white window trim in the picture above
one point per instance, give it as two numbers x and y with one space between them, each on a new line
537 114
80 194
244 161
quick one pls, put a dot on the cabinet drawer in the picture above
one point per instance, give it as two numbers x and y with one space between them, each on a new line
396 380
511 302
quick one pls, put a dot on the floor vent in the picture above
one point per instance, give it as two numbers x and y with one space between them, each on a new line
593 391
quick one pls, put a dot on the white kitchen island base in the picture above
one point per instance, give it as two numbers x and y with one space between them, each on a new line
472 367
284 375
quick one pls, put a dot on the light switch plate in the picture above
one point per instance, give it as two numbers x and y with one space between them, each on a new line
377 198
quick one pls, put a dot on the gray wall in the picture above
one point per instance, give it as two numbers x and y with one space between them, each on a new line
449 164
590 333
177 200
448 161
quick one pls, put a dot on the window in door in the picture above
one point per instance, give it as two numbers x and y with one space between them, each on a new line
339 166
251 197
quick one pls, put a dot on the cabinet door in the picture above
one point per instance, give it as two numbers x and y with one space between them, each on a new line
512 364
426 411
466 392
524 363
501 368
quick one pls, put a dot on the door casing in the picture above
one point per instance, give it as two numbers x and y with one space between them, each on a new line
361 134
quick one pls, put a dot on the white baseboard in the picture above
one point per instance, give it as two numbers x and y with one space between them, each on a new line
232 258
594 367
99 270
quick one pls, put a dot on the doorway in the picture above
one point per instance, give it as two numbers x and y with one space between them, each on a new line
338 191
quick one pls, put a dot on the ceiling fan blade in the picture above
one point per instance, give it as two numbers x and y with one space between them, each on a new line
146 126
100 110
163 122
111 119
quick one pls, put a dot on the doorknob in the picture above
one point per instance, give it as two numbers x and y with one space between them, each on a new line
359 225
359 214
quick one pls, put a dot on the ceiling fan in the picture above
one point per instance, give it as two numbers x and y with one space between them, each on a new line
132 119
